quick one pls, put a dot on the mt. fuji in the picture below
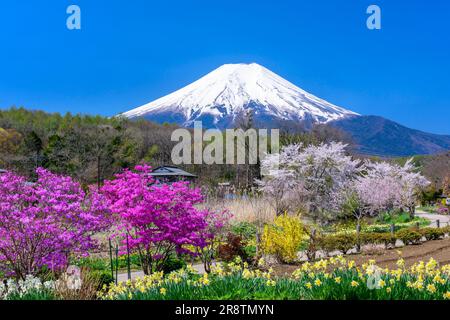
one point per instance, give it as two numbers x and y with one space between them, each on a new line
221 97
218 99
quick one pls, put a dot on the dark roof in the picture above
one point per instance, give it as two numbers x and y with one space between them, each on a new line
165 171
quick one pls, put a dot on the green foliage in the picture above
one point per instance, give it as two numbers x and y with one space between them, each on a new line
246 230
409 236
397 218
34 295
345 242
103 264
385 238
102 277
341 242
173 263
432 233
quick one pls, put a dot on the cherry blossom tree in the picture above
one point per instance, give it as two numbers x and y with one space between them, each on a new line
311 175
382 188
412 183
378 189
279 184
42 224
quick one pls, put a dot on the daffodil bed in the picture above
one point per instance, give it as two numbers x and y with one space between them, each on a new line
334 278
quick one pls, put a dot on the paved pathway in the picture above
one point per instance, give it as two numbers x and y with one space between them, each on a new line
444 220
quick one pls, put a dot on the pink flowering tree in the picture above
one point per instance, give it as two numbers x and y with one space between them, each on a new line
309 176
378 189
42 224
383 187
157 219
412 183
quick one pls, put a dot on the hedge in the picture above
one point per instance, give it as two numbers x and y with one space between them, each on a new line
345 242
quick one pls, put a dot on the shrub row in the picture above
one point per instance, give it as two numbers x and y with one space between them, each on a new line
345 242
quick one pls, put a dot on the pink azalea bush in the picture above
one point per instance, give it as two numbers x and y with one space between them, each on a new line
156 219
43 223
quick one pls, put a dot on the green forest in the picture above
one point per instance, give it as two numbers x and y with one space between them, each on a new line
92 148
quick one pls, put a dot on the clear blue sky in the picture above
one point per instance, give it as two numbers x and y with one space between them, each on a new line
131 52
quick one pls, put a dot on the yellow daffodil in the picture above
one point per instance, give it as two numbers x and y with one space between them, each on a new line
246 274
271 283
261 262
400 263
431 288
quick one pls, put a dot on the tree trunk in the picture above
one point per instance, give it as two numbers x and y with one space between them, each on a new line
412 212
358 231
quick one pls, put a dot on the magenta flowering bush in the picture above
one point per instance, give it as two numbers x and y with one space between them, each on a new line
157 219
442 210
43 223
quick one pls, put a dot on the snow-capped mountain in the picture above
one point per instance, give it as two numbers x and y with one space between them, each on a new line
220 97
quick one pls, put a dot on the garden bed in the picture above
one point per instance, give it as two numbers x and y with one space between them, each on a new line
436 249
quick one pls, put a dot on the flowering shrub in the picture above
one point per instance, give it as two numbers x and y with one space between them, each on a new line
325 279
31 288
283 238
43 223
442 210
156 219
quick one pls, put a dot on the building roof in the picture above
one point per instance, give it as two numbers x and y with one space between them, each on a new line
167 171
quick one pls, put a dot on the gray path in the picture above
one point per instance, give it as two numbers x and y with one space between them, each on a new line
444 220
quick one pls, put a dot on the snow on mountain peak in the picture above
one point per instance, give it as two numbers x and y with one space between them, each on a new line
226 92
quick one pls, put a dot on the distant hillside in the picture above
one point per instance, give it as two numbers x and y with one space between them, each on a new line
378 136
435 167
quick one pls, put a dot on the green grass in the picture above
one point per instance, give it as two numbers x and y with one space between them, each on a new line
103 264
428 209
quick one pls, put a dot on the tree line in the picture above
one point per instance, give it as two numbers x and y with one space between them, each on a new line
91 148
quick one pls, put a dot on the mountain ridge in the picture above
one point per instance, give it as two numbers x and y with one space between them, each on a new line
220 96
378 136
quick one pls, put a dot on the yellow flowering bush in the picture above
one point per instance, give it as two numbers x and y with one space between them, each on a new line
283 238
